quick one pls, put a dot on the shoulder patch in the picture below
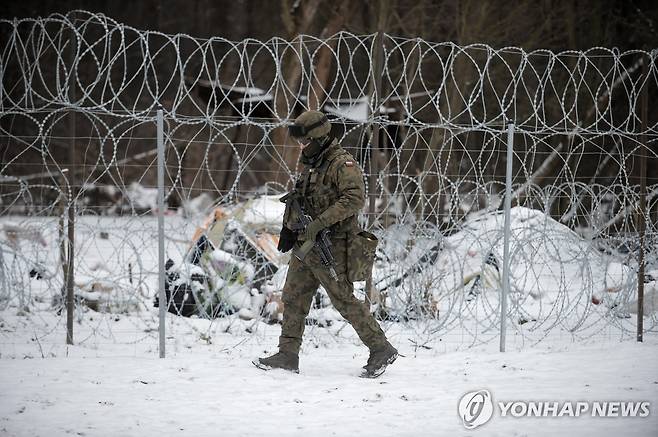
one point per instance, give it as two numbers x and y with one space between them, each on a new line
349 163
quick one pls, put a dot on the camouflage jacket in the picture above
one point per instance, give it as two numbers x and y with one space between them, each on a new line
332 191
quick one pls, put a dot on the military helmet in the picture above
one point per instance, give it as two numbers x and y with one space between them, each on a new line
311 124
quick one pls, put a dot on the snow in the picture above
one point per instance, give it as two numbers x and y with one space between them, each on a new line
255 98
248 91
197 205
207 386
264 211
142 198
221 260
650 300
354 109
560 281
185 276
238 296
552 268
111 383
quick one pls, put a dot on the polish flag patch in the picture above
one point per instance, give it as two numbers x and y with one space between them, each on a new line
349 163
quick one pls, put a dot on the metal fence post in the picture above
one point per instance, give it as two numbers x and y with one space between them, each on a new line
161 262
506 235
70 266
641 216
378 61
3 278
72 192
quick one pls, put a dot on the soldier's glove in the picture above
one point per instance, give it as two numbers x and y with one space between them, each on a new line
287 239
313 229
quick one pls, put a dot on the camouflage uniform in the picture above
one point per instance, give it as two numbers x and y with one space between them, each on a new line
332 191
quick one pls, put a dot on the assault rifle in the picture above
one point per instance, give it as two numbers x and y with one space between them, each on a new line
321 244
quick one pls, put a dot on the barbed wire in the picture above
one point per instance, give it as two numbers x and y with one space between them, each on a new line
435 84
436 177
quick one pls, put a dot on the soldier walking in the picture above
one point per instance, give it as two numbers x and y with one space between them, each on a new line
331 191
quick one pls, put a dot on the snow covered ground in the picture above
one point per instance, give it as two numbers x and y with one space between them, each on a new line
212 389
112 383
561 347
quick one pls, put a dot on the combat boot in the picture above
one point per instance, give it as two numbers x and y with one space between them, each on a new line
378 361
281 360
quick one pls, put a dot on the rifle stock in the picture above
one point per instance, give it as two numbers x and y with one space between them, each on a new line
305 248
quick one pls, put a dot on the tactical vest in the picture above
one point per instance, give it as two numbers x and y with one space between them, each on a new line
317 193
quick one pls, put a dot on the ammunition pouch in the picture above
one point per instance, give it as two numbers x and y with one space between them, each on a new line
361 255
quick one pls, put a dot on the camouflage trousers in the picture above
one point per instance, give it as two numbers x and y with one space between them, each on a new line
303 280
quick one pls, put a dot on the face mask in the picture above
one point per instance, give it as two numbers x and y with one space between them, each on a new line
314 148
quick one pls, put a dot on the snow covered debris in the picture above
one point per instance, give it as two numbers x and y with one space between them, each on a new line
197 205
232 254
264 212
354 109
650 306
15 233
107 297
142 198
550 265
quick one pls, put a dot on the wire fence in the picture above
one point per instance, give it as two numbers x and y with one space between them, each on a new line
426 121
